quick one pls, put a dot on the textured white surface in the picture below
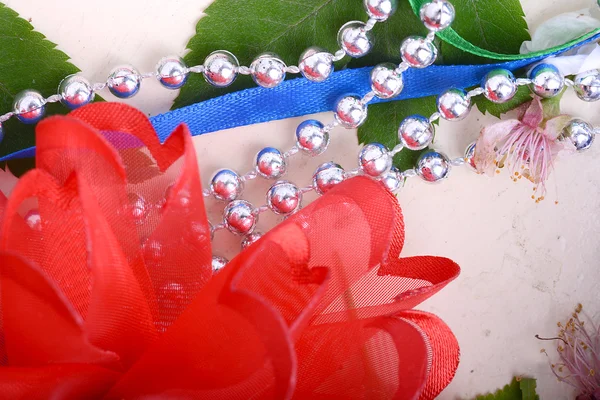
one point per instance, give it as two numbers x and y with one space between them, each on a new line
524 265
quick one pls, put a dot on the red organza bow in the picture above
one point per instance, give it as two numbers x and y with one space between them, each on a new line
103 298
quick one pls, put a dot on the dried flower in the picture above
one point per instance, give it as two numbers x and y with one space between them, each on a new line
579 352
527 146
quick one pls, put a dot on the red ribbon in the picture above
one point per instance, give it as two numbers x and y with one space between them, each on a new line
97 304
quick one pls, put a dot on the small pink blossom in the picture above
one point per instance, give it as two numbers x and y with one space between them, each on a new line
578 346
527 146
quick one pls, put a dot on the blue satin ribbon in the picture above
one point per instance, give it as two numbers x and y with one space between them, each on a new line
299 97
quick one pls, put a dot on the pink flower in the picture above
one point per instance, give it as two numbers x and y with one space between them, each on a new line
527 146
579 351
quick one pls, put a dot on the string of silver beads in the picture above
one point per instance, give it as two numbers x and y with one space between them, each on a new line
220 69
350 111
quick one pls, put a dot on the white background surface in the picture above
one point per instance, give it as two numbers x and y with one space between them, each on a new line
524 265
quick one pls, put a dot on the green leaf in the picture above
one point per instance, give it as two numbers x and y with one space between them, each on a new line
518 389
250 27
497 25
27 61
484 105
383 122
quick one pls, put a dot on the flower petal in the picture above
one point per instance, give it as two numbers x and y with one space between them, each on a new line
40 327
58 382
490 137
534 113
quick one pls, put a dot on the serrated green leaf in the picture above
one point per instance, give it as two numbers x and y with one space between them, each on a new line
382 126
484 105
250 27
497 25
27 61
518 389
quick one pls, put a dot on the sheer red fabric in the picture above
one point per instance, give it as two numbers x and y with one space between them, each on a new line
107 291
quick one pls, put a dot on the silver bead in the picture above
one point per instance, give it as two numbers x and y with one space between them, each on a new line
138 208
250 239
284 198
350 111
226 185
416 132
470 155
499 85
374 159
33 219
220 68
171 72
268 70
1 132
587 85
454 104
75 91
218 263
418 52
380 9
327 176
580 133
311 137
239 217
393 180
124 82
315 64
433 166
354 39
270 163
437 15
546 80
29 106
385 81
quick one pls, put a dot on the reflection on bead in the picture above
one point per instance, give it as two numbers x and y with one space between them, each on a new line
33 220
580 133
433 166
268 70
29 106
374 159
218 263
239 217
327 176
418 52
270 163
350 111
124 82
315 64
1 132
75 91
437 15
499 85
354 39
587 85
393 180
171 72
380 9
546 80
226 185
311 137
220 68
416 132
470 155
284 198
454 104
250 239
385 81
138 208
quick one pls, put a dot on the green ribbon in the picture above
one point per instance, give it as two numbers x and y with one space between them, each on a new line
450 36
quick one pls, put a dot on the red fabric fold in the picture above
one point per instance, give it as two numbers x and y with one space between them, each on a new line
107 291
